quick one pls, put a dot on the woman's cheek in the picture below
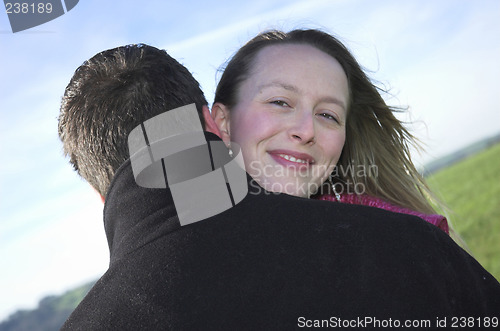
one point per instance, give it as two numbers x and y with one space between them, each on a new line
256 127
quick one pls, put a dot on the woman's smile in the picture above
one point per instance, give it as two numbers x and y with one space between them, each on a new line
290 118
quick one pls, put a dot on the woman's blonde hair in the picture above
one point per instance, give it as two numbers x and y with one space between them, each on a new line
376 155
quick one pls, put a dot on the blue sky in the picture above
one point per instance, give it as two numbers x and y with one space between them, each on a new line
440 58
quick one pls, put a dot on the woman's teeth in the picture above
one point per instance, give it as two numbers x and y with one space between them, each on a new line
293 159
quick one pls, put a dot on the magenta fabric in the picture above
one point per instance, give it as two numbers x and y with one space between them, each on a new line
366 200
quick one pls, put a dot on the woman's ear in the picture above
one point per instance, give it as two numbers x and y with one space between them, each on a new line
210 125
220 119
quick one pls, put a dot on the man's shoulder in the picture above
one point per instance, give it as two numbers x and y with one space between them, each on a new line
287 256
283 207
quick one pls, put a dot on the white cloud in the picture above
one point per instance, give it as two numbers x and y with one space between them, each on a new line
454 89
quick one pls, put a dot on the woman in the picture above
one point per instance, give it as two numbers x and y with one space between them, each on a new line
305 114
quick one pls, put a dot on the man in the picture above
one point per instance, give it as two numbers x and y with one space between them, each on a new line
111 94
271 262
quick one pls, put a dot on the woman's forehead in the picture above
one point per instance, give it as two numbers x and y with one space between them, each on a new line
296 68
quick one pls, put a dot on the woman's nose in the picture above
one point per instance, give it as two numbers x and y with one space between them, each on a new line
303 128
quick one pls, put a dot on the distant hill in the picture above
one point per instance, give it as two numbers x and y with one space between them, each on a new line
459 155
50 315
471 190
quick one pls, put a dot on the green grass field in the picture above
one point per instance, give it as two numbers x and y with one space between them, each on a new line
471 189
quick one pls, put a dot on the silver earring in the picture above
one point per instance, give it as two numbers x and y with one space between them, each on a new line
337 195
230 150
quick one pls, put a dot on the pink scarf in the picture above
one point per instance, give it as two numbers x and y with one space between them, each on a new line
366 200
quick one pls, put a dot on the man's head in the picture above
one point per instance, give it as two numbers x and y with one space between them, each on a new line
111 94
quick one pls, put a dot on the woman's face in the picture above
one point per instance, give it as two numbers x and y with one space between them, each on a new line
290 118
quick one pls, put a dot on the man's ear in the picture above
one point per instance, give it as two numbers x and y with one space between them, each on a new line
99 194
219 118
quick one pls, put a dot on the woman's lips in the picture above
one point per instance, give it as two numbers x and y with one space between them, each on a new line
289 158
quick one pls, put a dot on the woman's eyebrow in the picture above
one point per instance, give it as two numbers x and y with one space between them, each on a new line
295 89
285 86
334 101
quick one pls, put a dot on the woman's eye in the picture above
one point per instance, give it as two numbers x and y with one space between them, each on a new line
329 117
280 103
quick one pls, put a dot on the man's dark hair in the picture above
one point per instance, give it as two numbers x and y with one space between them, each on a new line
112 93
